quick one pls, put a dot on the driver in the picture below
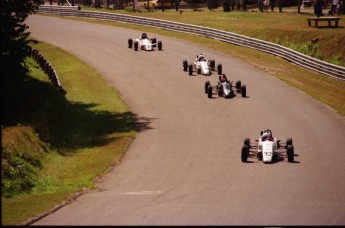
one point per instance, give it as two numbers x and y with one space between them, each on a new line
267 135
223 78
199 57
143 36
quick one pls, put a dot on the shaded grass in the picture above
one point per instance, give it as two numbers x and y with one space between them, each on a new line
71 140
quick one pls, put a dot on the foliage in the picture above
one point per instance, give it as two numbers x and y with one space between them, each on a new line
307 48
17 174
336 59
13 46
13 30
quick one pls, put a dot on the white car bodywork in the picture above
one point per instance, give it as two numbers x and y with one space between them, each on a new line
268 149
202 66
147 44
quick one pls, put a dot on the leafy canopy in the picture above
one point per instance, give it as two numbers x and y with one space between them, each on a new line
13 48
13 34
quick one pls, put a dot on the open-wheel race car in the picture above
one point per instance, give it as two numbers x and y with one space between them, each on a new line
225 88
267 148
201 66
144 43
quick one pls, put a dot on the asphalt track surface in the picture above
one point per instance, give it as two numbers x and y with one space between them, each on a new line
184 167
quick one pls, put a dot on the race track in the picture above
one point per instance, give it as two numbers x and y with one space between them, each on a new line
185 167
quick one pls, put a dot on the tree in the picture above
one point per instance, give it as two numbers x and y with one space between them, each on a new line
13 34
13 46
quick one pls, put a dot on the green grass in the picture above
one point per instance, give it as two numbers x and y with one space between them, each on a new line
68 141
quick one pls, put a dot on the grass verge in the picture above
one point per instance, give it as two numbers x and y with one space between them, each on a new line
68 141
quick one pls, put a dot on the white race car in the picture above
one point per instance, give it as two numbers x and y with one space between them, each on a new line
144 43
201 66
225 88
268 148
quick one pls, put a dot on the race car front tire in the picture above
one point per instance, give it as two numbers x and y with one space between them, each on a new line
136 45
209 92
290 153
190 69
130 43
288 141
238 86
212 64
246 141
244 91
219 69
207 84
245 153
159 45
259 156
185 65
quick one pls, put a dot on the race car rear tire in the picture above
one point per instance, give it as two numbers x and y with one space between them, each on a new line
136 45
219 68
245 153
207 84
288 141
246 141
212 64
209 92
159 45
198 71
290 153
238 86
185 65
130 43
244 91
190 69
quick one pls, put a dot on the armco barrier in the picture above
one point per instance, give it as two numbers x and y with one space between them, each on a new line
228 37
47 68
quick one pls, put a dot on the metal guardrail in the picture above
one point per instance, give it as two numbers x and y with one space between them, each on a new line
228 37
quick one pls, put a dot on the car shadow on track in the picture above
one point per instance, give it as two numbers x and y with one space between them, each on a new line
277 160
142 123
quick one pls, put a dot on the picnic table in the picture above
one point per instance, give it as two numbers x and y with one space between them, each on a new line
328 19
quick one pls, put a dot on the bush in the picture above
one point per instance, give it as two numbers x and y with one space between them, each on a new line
18 176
